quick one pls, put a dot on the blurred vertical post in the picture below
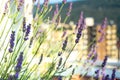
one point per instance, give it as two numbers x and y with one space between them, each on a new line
118 45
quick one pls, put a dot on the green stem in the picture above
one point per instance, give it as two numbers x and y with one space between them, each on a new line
31 72
59 11
31 60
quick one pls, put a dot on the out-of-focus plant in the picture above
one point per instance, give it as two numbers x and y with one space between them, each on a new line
29 51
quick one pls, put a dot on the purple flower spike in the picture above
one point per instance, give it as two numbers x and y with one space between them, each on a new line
64 1
19 65
80 26
113 74
64 33
105 61
21 2
102 37
104 24
24 24
60 62
57 9
27 32
46 3
70 9
59 53
12 39
31 41
59 77
97 74
55 13
65 43
41 58
107 77
11 77
101 30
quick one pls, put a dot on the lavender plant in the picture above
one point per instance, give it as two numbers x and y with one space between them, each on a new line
31 52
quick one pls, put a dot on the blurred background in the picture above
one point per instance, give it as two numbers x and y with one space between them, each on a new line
95 11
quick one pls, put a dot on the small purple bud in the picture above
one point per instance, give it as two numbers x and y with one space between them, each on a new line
113 74
97 74
24 24
31 41
64 1
104 24
64 33
101 37
101 30
60 62
107 77
41 58
27 32
19 65
21 2
57 9
65 43
12 39
59 77
46 3
80 26
11 77
59 54
70 9
104 61
73 71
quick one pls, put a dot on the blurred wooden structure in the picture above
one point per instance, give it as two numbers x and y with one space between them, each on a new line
108 45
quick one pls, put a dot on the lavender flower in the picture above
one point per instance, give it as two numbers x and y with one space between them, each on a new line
93 50
12 39
70 9
46 3
53 18
11 77
104 61
107 77
97 74
81 25
41 57
102 37
31 41
24 24
93 53
55 13
65 43
103 26
59 77
57 9
19 65
27 32
103 74
59 54
73 71
6 8
64 1
113 74
21 2
60 62
64 33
